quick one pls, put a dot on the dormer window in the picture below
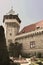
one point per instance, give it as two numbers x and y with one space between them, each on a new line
38 27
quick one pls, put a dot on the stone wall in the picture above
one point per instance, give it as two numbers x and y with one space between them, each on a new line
36 38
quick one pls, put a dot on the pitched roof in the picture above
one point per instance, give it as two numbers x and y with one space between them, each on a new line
28 28
31 27
11 12
39 24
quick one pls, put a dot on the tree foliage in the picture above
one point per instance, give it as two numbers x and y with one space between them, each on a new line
15 49
11 49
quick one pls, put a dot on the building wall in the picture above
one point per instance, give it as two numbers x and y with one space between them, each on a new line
12 28
32 42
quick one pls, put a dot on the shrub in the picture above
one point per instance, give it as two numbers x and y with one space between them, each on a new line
26 55
39 54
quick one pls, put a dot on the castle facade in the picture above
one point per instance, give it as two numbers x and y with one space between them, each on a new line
30 36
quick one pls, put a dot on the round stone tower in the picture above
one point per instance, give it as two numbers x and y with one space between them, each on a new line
12 23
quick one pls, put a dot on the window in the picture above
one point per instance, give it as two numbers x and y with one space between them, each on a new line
42 31
10 34
38 27
32 44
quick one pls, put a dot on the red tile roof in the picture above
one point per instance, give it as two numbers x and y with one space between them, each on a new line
31 27
39 24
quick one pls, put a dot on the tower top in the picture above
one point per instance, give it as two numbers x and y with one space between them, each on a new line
11 12
11 15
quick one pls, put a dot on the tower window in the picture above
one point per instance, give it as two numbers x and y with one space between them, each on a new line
10 34
6 17
10 17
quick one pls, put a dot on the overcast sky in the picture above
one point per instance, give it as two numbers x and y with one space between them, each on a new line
30 11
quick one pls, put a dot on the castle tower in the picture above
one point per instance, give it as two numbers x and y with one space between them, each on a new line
12 23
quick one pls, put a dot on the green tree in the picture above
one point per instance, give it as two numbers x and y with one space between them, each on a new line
39 54
15 49
11 49
18 48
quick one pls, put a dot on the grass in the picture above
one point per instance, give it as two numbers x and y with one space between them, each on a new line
37 62
33 63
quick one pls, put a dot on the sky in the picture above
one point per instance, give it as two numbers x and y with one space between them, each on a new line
29 11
